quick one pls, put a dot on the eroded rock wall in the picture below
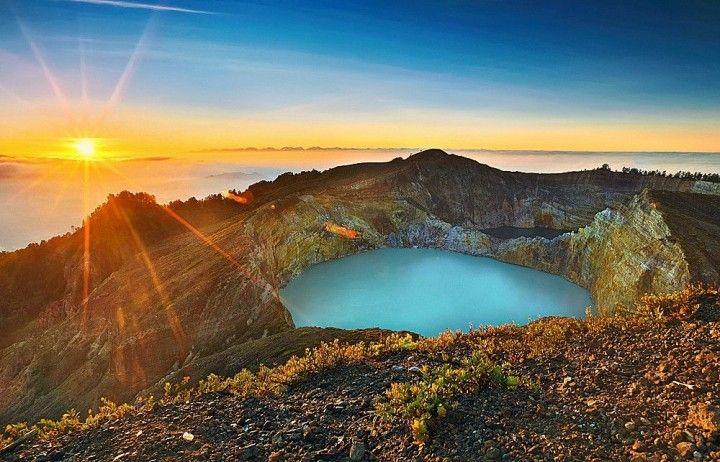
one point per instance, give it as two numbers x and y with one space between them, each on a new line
622 254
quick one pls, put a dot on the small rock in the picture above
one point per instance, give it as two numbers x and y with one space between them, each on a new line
678 437
492 454
638 446
357 451
187 436
689 436
685 448
705 417
249 452
306 430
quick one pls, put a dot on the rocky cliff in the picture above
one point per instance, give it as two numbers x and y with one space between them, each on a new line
182 298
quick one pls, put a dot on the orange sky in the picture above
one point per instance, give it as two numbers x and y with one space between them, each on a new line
138 131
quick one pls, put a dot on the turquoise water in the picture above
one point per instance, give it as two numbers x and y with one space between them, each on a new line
426 291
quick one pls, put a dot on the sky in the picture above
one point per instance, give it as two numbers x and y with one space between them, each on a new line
204 79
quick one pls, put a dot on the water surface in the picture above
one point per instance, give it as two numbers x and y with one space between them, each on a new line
426 291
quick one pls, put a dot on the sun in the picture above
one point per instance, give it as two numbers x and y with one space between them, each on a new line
85 148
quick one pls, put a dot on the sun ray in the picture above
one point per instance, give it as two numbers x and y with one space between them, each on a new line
210 243
129 70
47 72
86 241
172 317
129 370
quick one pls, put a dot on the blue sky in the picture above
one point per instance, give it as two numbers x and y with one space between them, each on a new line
526 64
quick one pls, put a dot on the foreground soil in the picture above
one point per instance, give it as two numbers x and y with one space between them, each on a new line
606 390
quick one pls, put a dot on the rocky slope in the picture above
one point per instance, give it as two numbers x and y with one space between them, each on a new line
179 290
624 388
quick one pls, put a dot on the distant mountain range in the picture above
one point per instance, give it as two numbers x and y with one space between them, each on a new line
240 176
297 148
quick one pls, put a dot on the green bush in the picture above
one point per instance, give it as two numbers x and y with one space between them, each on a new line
419 403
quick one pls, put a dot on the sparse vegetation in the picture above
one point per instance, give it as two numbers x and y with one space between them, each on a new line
71 420
684 303
271 380
419 403
266 381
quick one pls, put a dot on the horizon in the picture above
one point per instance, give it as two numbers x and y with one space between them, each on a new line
188 79
60 179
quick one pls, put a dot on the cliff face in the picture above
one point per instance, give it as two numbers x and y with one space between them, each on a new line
626 252
693 223
623 253
181 299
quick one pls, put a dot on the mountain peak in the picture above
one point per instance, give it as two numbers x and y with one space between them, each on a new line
429 154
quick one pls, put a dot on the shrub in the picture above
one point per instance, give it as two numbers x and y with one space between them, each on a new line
267 381
682 304
177 393
419 403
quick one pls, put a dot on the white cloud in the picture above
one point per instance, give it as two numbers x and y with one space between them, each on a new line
141 6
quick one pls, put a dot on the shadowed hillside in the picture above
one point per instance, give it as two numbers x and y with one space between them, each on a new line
695 221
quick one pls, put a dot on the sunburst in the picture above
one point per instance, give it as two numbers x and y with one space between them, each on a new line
85 148
88 145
